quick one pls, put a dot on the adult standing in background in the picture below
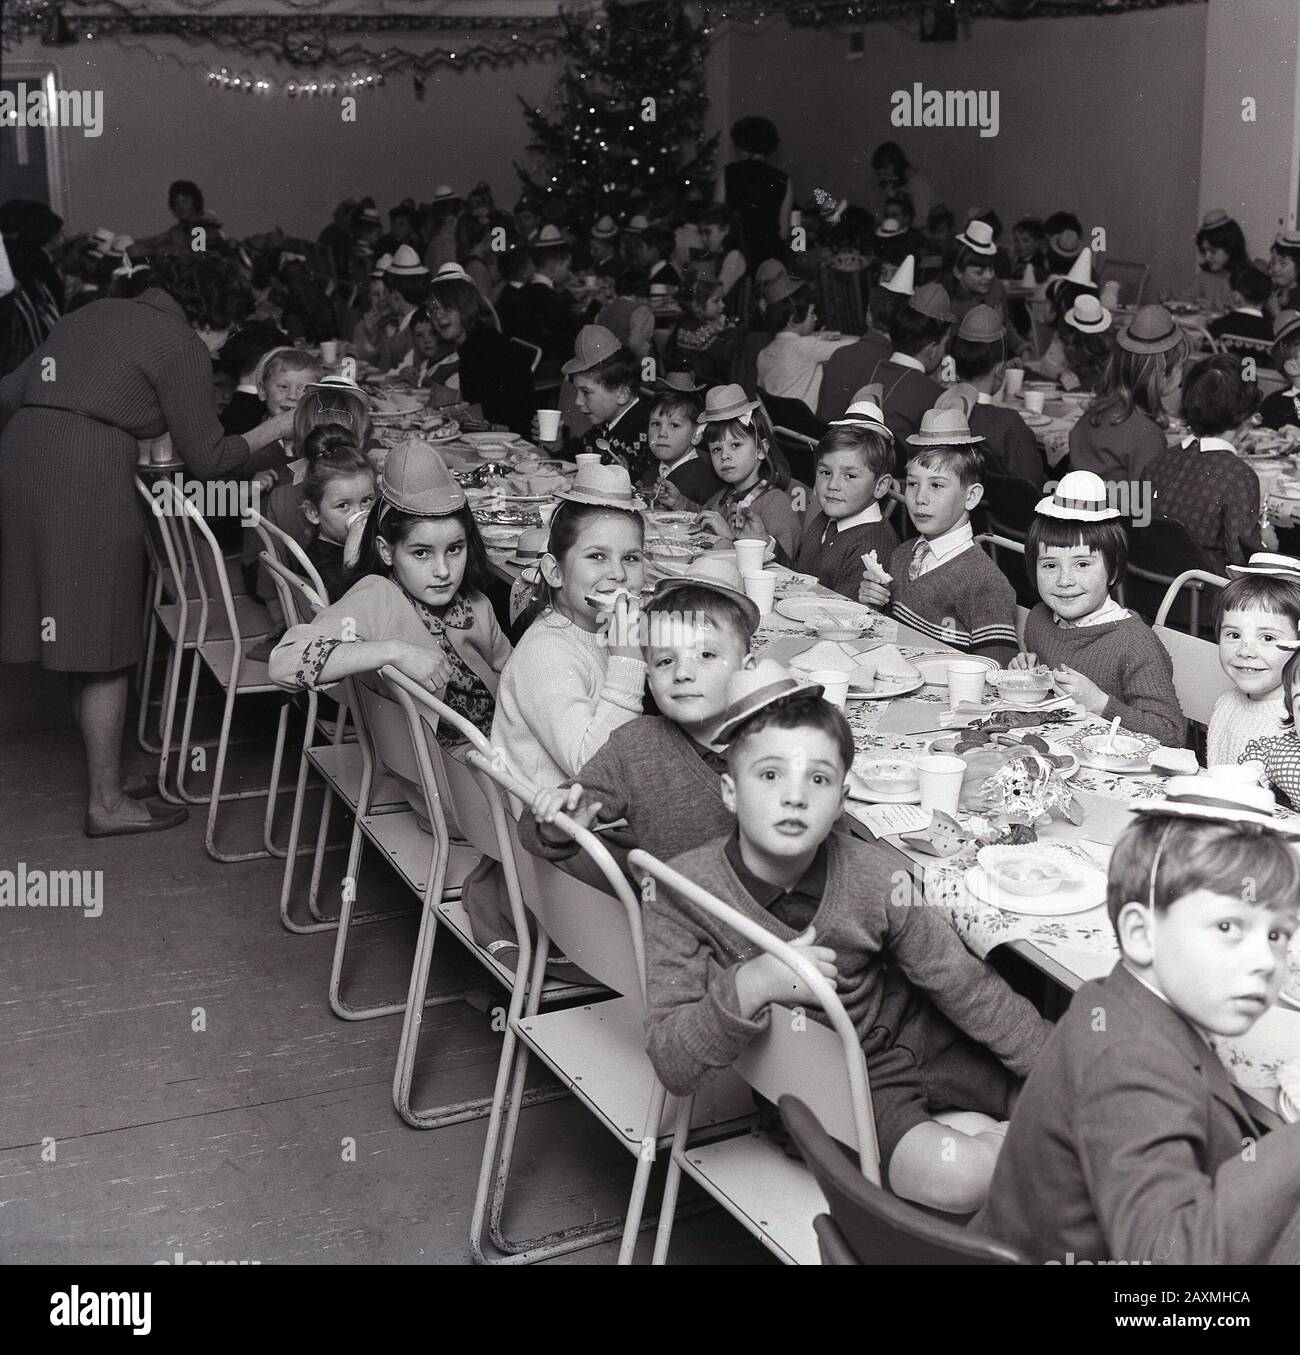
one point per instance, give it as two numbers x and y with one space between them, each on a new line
71 525
757 194
895 174
185 200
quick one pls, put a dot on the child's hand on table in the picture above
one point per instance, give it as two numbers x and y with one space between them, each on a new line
1023 660
562 800
765 979
1081 689
431 668
669 499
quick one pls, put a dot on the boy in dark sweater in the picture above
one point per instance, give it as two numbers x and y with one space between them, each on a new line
679 476
945 1038
1251 288
942 584
1283 407
855 461
1131 1143
605 378
661 772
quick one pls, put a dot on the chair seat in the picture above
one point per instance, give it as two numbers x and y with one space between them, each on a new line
341 766
409 850
774 1196
598 1052
253 619
254 676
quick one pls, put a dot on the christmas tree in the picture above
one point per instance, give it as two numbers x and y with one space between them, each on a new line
628 117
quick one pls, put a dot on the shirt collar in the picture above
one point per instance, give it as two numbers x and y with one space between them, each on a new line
666 468
952 542
1209 444
1110 610
545 280
983 398
247 388
1250 310
811 884
617 417
871 513
906 360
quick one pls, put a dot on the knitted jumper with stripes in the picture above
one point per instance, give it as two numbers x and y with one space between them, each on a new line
964 602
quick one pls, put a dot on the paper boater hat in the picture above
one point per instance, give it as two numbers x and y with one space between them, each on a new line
888 228
1276 566
406 264
1079 497
904 279
717 572
604 229
1208 798
603 487
863 414
978 236
1153 331
753 689
1088 315
727 402
944 428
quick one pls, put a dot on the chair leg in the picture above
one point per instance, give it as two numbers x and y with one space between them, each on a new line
187 730
277 761
218 775
672 1182
146 682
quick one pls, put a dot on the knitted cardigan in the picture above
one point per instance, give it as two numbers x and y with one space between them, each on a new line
966 602
1125 659
649 773
838 564
561 696
1236 720
694 1025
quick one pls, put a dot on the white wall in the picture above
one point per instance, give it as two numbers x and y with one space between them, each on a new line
1250 168
270 161
1099 115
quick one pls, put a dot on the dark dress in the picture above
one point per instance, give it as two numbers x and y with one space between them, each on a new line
497 375
71 530
755 191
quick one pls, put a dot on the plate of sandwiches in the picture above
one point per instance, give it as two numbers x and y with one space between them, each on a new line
876 672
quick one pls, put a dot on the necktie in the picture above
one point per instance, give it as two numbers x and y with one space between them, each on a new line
920 555
832 527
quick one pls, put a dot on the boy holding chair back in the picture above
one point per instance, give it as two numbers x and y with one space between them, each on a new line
945 1038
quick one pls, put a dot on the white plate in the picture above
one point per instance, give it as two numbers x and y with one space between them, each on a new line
1036 420
815 611
934 668
890 689
1287 1108
1088 892
1103 764
475 439
858 791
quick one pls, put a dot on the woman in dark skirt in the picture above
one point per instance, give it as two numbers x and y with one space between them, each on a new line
71 528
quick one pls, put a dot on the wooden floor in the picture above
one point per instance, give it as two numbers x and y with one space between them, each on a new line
228 1144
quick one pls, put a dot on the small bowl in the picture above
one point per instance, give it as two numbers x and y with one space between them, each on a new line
1125 749
1028 871
888 776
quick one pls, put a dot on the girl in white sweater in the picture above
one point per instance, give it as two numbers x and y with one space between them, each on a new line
1257 610
577 672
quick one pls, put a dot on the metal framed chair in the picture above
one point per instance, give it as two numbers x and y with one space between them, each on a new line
867 1226
775 1198
842 305
533 351
1132 279
597 1049
1199 679
1158 554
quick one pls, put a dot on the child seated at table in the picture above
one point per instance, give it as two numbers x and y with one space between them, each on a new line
1251 289
941 583
661 772
1103 656
979 354
1280 753
1203 483
1283 407
605 378
702 339
1221 245
790 366
945 1038
855 461
755 500
578 673
1253 618
1129 1142
419 605
282 377
680 477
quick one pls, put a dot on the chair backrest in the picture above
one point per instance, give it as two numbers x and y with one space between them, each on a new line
160 543
1199 679
842 306
1159 554
300 600
795 1054
800 452
202 557
873 1226
1009 504
533 351
281 546
600 934
1201 339
1132 279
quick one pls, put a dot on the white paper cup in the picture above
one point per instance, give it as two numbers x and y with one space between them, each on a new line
329 352
965 681
1012 380
760 589
834 684
548 424
160 452
749 555
1034 401
940 779
588 459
